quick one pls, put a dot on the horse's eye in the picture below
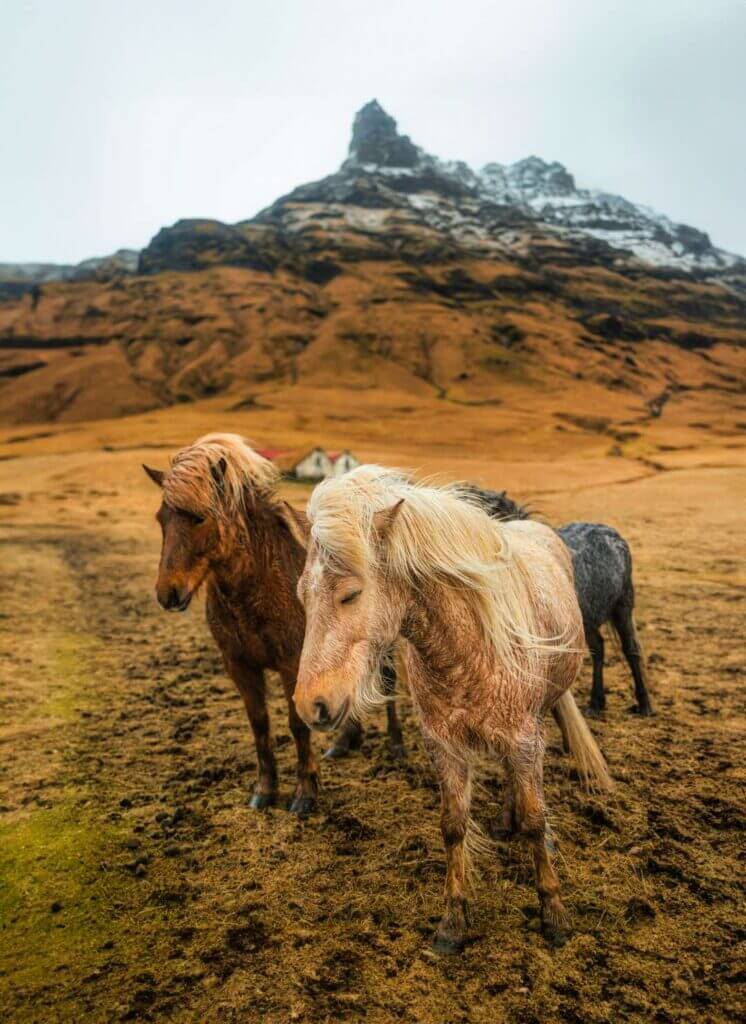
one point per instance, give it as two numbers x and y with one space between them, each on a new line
351 597
192 516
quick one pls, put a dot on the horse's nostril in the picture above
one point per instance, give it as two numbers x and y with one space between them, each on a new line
321 712
172 599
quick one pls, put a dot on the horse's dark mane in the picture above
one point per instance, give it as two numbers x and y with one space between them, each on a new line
497 503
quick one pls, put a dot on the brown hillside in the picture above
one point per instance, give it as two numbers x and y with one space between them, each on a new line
460 331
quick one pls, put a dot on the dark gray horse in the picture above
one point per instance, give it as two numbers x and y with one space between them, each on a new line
602 564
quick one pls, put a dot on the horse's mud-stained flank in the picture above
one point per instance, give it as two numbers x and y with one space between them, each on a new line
137 884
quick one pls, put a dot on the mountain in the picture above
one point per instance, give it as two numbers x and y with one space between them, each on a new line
474 211
15 278
385 170
398 270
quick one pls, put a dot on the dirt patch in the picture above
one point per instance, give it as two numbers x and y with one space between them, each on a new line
137 884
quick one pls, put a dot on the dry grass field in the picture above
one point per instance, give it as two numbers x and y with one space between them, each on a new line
136 883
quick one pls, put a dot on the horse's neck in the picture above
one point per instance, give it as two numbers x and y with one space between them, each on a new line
262 560
447 643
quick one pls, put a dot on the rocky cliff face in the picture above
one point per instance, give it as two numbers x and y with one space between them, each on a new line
399 270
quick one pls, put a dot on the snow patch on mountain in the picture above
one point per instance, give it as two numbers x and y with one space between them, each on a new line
544 191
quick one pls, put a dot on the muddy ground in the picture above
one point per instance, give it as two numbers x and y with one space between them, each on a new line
138 885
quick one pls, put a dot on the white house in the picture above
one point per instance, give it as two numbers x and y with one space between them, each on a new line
313 466
343 462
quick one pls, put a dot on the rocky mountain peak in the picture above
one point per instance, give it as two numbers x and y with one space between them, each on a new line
375 140
534 175
396 193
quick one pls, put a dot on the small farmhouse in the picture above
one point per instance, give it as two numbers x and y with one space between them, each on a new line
343 462
315 465
310 467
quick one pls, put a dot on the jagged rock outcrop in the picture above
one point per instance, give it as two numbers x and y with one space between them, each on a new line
195 244
375 140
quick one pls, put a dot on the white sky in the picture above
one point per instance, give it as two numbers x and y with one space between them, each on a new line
119 117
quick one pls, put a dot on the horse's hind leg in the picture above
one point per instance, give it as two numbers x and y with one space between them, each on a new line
596 646
250 683
623 620
455 795
531 815
307 788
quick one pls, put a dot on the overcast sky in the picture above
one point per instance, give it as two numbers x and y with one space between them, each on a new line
119 117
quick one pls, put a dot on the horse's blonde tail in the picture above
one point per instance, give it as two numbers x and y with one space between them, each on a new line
590 762
478 848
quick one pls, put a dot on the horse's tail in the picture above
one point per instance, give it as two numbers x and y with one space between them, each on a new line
590 761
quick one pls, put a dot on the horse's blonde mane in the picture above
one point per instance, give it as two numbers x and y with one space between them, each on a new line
439 534
217 475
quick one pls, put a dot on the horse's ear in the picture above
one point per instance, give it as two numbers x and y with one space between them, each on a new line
218 471
384 519
296 523
156 475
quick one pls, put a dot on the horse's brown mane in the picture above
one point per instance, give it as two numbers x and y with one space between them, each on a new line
218 475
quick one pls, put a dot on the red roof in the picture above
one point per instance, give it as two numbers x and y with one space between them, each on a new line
269 453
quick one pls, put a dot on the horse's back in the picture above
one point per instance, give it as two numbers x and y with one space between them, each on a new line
602 565
540 546
549 566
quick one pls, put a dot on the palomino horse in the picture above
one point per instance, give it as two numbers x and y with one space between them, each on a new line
225 526
494 642
602 570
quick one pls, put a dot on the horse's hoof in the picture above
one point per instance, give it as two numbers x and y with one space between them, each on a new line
593 712
260 801
555 926
644 712
444 946
302 805
556 935
335 751
398 751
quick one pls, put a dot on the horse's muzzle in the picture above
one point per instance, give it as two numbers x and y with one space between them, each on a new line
174 600
321 717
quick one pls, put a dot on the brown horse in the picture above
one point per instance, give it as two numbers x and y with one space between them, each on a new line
494 641
224 526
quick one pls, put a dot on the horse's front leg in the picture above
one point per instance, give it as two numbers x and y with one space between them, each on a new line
532 822
388 688
350 738
455 793
306 790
